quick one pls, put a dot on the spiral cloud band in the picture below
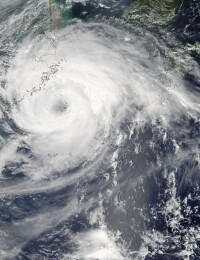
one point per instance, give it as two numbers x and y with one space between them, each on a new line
71 90
95 123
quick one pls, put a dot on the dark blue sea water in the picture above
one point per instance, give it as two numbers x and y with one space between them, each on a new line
99 133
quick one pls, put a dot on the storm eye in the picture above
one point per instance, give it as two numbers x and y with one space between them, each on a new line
60 107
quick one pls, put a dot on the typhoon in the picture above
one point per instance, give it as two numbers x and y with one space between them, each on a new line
70 94
99 150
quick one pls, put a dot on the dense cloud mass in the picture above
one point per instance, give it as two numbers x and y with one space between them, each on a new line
96 133
71 93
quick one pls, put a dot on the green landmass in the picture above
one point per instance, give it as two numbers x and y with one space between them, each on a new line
145 13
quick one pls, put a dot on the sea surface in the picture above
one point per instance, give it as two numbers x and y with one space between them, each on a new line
99 130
